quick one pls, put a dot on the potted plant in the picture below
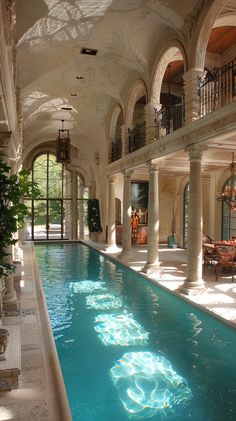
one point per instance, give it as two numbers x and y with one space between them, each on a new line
13 187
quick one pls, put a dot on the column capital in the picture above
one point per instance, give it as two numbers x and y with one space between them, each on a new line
193 74
153 165
149 108
195 152
112 178
127 173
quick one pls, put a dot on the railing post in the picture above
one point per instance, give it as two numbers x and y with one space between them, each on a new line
191 87
158 122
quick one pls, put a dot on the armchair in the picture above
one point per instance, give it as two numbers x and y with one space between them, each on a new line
226 255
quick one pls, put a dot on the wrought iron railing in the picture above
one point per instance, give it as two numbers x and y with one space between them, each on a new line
217 88
116 150
137 136
169 118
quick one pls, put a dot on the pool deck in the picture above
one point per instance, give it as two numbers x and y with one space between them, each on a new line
41 393
216 297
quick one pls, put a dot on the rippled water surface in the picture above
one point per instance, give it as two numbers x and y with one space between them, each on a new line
131 350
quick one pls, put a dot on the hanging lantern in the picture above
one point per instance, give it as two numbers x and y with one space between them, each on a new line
63 145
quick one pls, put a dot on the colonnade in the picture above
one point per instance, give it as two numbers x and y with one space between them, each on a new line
193 281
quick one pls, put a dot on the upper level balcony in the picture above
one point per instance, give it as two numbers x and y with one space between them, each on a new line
169 118
116 150
137 136
213 91
217 88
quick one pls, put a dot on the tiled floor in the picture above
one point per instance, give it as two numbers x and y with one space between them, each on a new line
39 396
218 297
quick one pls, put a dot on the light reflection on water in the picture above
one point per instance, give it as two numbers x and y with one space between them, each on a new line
148 385
120 329
198 348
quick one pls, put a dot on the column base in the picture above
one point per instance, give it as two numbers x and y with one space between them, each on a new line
125 254
112 248
152 269
192 287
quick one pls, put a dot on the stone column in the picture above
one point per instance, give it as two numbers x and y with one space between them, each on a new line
194 281
81 212
125 140
153 220
9 299
111 239
191 97
126 228
74 206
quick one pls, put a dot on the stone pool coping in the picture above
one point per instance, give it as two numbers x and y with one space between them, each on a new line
41 395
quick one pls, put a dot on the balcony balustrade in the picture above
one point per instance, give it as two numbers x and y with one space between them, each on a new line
169 118
217 88
116 150
137 137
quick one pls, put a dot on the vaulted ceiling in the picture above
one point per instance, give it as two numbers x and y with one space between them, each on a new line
57 82
54 75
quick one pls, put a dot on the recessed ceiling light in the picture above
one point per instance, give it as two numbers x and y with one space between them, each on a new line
89 51
79 77
73 94
66 108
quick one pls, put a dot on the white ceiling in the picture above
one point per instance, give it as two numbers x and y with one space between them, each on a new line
126 33
50 35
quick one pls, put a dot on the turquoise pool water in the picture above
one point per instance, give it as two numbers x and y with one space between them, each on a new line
128 349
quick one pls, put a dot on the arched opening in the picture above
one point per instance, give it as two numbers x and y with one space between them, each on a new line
172 97
116 144
53 214
218 86
185 214
228 214
137 134
168 92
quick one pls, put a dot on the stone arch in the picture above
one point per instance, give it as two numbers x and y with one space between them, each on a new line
174 52
138 90
203 34
50 147
116 113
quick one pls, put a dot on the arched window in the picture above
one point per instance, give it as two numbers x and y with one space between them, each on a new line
185 213
51 212
228 215
58 214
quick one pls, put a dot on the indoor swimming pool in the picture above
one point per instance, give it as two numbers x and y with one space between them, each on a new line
129 349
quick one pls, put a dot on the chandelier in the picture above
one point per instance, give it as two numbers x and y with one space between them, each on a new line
63 145
228 196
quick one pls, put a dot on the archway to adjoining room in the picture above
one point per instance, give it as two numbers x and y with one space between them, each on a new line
135 117
115 147
168 90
